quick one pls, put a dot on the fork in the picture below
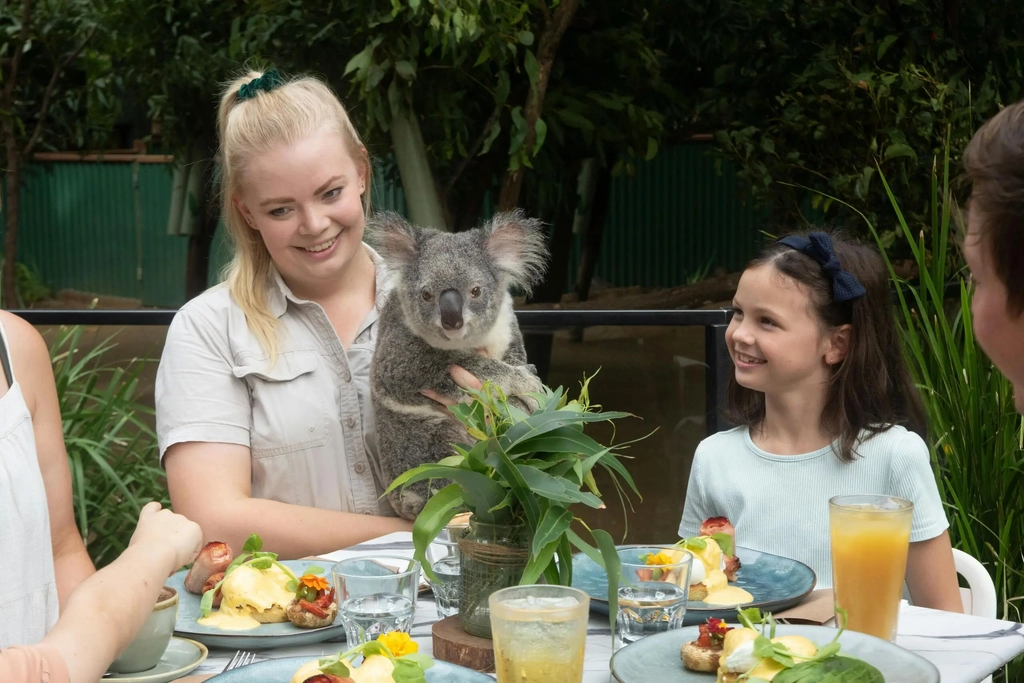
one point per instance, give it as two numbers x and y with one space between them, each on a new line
241 658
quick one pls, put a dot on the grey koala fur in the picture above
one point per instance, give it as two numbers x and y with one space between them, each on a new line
450 300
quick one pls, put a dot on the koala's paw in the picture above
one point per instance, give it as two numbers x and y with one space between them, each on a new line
526 403
407 503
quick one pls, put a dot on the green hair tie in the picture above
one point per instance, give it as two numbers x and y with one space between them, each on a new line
267 82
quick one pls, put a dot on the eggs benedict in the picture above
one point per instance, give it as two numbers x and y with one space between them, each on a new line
250 597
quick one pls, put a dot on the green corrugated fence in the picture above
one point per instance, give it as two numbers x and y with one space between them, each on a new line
102 227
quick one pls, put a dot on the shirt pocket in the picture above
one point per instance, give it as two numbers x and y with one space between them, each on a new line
288 402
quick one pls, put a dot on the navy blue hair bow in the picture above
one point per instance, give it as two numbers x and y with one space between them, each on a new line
818 245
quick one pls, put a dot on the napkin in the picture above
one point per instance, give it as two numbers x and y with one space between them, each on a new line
817 608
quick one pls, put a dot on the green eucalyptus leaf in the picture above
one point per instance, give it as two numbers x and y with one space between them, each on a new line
553 525
539 563
434 516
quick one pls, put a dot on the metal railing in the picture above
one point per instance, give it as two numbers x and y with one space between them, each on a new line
718 365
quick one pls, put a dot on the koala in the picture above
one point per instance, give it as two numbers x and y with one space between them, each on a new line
450 305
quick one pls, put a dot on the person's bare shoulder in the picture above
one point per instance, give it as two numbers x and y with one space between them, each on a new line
29 356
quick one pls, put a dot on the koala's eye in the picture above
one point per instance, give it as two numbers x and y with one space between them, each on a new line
475 292
427 296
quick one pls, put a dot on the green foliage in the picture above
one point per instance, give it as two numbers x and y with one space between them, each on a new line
975 431
82 106
526 469
30 285
875 89
112 452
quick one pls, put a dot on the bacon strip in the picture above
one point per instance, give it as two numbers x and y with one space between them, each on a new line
722 525
327 678
213 558
210 584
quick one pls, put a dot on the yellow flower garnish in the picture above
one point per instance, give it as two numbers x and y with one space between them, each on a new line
400 644
317 583
660 558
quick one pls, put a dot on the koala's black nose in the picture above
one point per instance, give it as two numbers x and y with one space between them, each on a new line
451 309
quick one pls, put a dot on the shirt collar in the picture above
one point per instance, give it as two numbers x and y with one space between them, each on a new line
279 293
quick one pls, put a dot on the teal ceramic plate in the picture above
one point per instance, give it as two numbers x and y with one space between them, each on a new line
656 658
266 636
282 670
775 582
181 658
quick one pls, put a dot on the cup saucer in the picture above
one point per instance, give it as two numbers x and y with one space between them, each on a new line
182 657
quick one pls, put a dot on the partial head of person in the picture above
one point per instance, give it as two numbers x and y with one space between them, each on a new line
295 179
812 313
994 243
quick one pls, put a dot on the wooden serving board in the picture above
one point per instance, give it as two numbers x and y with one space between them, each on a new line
455 646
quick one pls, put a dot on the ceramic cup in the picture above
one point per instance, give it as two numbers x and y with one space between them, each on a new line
151 642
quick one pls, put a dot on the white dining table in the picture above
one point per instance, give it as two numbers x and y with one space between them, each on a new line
964 648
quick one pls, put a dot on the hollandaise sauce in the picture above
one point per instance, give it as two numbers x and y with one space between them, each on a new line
719 590
246 592
730 595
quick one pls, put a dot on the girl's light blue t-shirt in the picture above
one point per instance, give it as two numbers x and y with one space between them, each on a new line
779 503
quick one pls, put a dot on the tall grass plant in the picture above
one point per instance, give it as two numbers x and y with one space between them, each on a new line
112 451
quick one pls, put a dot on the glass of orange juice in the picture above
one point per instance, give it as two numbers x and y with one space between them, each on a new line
870 539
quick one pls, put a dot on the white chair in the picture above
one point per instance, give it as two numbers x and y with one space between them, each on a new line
980 598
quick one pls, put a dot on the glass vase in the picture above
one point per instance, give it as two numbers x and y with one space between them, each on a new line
493 556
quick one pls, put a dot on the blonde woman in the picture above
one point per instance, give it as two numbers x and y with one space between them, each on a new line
262 395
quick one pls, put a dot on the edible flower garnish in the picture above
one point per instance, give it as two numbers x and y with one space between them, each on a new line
660 558
252 555
399 644
409 667
309 585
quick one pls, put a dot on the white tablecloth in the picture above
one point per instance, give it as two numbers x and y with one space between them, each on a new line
965 649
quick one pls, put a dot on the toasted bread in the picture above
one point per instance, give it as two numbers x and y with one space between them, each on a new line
698 591
274 615
304 619
697 658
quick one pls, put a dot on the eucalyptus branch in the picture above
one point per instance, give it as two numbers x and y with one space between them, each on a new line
19 51
45 106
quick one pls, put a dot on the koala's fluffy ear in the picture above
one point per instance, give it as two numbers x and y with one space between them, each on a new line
393 236
518 246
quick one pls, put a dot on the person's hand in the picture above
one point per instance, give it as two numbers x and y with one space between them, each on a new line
463 377
162 528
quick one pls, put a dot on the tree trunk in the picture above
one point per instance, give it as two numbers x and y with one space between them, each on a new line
421 195
197 266
593 233
13 178
547 48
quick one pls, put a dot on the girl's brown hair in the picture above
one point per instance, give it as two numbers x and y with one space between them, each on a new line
871 388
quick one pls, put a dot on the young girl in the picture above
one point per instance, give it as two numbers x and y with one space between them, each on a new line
262 394
824 400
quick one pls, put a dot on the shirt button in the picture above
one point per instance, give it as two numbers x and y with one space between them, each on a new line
367 512
360 468
350 422
312 429
346 376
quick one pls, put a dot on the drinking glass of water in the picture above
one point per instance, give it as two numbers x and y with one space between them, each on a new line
540 633
444 559
653 591
376 594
